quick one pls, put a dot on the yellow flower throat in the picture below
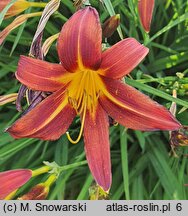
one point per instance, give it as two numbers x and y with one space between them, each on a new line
83 93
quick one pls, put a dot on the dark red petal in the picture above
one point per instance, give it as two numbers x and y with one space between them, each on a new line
139 112
12 180
79 43
122 58
145 9
40 75
97 146
48 120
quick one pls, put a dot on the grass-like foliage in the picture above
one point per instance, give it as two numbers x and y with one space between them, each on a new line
143 164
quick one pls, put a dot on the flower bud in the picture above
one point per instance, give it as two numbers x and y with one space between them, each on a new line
110 25
38 192
145 10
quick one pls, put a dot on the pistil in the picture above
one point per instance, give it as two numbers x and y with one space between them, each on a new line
82 125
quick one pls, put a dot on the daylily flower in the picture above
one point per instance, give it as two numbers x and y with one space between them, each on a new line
18 7
13 179
87 83
145 10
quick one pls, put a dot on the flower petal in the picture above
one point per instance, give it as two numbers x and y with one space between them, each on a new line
79 43
47 121
122 58
135 110
12 180
97 147
40 75
145 10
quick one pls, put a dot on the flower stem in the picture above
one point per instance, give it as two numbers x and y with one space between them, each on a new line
38 4
50 180
40 171
74 165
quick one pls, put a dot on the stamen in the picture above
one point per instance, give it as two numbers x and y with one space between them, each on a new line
70 100
80 89
27 97
98 94
82 126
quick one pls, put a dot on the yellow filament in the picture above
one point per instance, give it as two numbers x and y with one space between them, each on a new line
80 90
82 126
27 97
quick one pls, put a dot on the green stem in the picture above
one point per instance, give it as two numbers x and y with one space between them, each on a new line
40 171
38 4
71 166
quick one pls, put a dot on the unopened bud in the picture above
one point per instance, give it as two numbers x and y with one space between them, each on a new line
110 25
145 10
38 192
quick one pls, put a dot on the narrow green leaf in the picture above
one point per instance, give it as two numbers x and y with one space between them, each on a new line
168 27
84 192
124 162
167 177
168 62
156 92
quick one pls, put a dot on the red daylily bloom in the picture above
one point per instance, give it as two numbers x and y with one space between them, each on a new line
145 9
12 180
87 83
